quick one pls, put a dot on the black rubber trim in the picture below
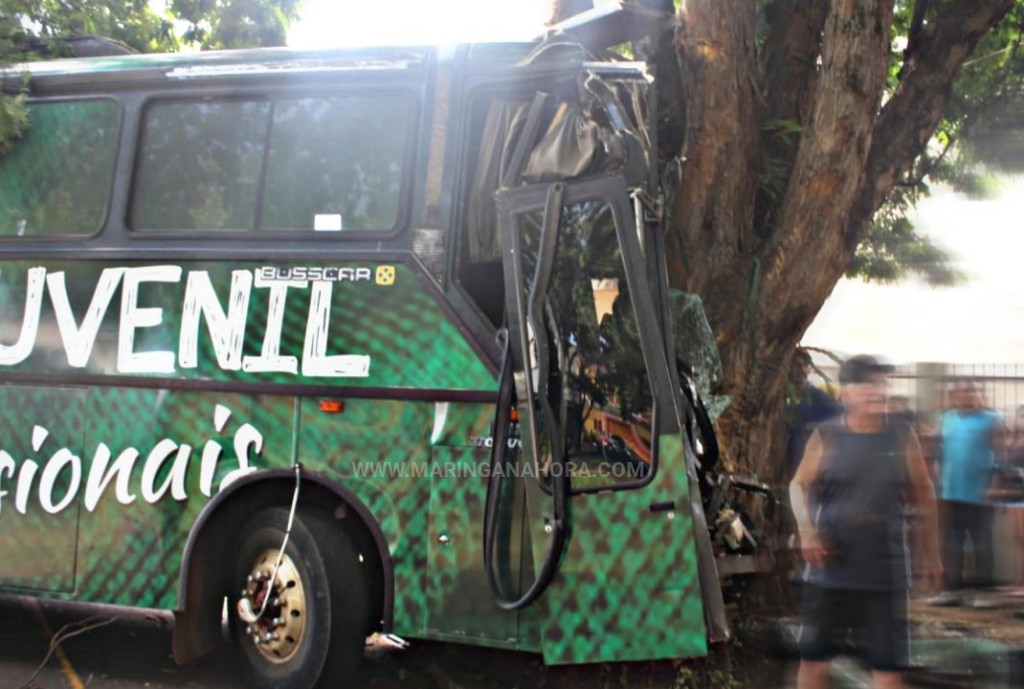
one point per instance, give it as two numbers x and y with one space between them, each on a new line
62 379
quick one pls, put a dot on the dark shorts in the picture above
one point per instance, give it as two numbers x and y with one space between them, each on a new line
876 622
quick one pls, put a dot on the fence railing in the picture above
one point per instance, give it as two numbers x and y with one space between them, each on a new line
926 385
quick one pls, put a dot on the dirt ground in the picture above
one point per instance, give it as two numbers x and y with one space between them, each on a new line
134 653
762 657
1004 622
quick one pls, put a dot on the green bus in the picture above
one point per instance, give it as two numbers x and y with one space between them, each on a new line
306 346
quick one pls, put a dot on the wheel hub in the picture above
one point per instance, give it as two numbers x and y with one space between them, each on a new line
277 633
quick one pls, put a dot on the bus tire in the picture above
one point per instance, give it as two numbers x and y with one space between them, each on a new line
312 634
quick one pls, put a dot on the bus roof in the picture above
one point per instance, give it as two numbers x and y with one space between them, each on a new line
614 23
268 58
261 61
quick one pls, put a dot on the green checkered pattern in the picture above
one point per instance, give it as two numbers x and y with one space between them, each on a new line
627 588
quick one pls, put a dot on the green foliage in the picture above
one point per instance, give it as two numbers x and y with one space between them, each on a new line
892 249
231 24
30 29
13 120
980 136
33 29
987 110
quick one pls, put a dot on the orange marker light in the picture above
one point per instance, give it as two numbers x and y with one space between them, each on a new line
332 406
514 416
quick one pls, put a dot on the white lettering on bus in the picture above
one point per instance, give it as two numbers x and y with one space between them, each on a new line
315 362
78 340
19 351
100 473
226 327
7 466
227 331
246 437
134 318
270 359
100 477
212 450
63 457
175 481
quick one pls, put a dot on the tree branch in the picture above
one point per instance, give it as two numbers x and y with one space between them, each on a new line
909 119
914 32
829 165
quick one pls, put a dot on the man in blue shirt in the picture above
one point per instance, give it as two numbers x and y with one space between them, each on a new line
973 439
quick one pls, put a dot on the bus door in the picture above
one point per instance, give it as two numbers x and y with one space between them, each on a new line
41 472
609 515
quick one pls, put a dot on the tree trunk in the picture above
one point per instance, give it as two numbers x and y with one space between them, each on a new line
789 152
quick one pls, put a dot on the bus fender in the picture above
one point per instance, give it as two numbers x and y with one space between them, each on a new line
198 632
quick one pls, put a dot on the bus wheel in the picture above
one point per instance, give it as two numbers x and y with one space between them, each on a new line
311 632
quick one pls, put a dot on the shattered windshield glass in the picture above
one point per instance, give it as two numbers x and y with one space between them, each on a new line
695 345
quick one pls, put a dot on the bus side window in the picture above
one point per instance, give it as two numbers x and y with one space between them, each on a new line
199 165
314 164
339 157
57 177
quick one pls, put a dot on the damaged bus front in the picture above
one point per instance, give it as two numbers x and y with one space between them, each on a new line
360 341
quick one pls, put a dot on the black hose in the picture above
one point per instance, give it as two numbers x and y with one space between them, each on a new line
559 481
709 454
559 490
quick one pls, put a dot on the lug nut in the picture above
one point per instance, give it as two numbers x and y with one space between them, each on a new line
278 622
249 579
248 629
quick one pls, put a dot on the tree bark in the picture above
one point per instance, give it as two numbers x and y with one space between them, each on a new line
765 263
713 227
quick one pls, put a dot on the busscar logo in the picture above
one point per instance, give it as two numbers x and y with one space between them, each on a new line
385 275
314 273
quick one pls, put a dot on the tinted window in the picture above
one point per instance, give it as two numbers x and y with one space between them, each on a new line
56 179
599 387
200 166
289 164
338 157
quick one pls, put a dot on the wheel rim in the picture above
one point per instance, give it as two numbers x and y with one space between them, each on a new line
277 635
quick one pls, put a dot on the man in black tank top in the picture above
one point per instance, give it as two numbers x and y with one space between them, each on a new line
849 498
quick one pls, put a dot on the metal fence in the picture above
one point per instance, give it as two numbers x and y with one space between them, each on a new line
926 385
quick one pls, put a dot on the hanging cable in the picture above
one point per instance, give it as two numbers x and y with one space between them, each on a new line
244 606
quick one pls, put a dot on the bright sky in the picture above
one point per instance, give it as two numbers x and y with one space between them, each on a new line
979 322
338 23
